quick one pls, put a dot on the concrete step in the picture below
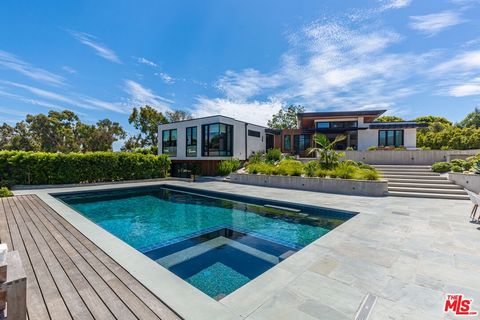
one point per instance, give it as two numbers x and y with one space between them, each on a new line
424 185
410 180
410 173
428 195
427 190
406 176
405 170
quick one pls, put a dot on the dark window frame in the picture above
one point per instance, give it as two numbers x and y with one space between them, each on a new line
227 143
193 137
395 144
340 125
254 133
289 142
170 142
302 137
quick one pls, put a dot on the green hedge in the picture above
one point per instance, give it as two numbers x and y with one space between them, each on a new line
20 167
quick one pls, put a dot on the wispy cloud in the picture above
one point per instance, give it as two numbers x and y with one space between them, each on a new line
62 101
12 62
139 95
395 4
69 69
165 77
466 61
431 24
471 88
146 62
99 48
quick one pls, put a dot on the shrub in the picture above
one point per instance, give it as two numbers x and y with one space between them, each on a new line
311 168
372 148
273 155
262 167
345 171
456 168
226 167
321 173
20 167
256 157
349 149
5 192
369 174
290 168
441 167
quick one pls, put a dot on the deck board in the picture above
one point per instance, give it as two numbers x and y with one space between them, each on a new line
68 276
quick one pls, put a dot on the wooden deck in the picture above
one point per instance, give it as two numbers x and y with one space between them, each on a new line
69 277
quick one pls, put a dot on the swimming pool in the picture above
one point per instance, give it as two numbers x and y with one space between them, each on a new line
217 242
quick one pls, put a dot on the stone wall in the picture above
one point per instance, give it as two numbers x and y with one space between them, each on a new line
342 186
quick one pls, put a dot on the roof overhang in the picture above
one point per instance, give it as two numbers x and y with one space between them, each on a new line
397 125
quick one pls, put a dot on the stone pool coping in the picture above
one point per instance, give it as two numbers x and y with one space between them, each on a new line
408 252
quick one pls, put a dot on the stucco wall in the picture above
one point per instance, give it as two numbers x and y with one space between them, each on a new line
369 137
239 133
413 157
468 181
342 186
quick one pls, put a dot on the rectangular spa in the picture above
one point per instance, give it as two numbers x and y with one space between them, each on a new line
215 241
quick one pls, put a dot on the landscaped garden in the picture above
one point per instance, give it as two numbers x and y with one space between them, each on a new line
469 165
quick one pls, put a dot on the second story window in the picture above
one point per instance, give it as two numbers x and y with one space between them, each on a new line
169 142
191 142
217 140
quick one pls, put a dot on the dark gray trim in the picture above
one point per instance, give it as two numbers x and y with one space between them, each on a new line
397 125
342 113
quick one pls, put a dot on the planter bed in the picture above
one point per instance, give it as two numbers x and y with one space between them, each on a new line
375 188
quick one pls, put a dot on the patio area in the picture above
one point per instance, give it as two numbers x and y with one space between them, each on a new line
407 252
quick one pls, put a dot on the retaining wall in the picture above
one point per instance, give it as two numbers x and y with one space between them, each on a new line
406 157
468 181
342 186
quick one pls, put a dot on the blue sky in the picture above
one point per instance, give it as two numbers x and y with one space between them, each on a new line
244 59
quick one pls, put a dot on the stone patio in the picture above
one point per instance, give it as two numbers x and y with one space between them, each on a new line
408 252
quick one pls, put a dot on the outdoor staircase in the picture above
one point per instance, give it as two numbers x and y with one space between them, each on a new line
419 182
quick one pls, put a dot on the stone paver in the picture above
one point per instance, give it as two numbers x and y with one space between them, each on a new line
409 252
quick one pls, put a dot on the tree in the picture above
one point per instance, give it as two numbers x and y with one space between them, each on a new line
178 115
471 120
286 118
389 119
100 137
325 148
432 119
146 120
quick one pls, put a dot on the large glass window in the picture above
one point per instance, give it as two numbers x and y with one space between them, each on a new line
191 142
336 124
388 138
169 142
217 140
287 142
302 142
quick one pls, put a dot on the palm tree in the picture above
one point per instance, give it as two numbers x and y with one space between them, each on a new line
324 149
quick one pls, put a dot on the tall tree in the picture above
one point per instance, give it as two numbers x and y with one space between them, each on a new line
286 118
471 120
389 119
100 137
178 115
431 119
146 120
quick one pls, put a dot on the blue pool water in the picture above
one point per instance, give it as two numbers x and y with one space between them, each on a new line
215 244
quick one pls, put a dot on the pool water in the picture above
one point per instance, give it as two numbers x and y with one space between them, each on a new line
215 244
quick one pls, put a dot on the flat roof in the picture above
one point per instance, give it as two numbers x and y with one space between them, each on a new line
216 115
399 124
342 113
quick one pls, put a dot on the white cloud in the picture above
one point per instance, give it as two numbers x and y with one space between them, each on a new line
99 48
147 62
69 69
10 61
432 24
257 112
466 61
468 89
396 4
165 77
140 96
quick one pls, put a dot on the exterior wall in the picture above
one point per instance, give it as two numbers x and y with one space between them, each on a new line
239 133
468 181
410 138
343 186
405 157
367 138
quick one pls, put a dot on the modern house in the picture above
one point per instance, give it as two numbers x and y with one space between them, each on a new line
203 142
